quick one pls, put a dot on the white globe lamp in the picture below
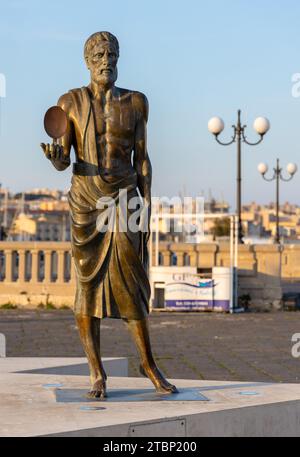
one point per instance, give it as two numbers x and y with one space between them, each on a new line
292 168
216 125
261 125
263 168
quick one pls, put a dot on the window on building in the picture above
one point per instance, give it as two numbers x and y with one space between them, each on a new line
160 259
186 260
173 259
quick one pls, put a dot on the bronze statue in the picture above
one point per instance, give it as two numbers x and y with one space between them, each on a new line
107 129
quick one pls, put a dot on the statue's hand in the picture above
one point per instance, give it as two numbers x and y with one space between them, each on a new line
55 153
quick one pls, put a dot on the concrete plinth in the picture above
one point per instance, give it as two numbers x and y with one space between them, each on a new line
2 345
78 366
52 404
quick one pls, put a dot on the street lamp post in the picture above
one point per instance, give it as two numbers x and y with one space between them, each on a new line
291 169
261 126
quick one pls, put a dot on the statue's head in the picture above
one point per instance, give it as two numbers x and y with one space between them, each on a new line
101 53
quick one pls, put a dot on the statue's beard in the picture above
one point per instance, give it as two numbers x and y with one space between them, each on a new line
106 78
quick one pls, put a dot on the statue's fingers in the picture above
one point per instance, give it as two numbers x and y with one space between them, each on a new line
64 157
52 151
57 151
45 148
61 152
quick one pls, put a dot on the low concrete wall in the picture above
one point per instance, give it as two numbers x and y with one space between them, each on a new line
2 345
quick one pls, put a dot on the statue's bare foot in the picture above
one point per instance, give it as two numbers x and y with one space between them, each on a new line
98 390
160 383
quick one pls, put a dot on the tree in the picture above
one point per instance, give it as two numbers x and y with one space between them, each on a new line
221 227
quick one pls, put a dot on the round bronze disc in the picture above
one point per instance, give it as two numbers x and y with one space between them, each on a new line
55 122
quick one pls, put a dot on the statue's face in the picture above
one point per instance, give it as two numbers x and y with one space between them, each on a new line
102 63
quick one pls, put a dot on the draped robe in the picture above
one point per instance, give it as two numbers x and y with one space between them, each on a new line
111 265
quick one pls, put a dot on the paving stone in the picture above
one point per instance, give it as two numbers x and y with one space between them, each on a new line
252 347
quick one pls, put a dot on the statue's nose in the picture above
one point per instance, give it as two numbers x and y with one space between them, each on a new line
106 57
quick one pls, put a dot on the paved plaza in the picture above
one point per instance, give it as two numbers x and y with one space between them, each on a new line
245 347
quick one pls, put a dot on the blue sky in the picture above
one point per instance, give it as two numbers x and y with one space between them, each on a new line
193 59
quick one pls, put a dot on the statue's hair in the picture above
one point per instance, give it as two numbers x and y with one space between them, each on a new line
97 38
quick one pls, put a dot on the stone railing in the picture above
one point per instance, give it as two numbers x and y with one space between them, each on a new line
36 273
33 273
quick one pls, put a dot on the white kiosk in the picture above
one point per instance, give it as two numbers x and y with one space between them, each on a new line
182 289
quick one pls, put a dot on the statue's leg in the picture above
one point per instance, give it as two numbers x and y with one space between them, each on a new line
89 330
140 333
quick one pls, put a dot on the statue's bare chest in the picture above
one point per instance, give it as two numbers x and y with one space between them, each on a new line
115 116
